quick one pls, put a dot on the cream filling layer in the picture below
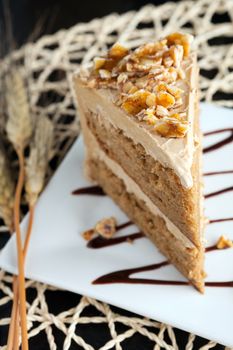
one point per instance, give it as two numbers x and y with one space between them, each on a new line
133 188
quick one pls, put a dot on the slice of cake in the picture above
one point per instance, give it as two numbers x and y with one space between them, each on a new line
139 117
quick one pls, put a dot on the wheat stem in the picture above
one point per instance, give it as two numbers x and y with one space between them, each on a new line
13 335
21 279
12 327
29 229
16 337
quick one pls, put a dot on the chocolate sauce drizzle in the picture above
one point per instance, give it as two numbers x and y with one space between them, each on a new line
218 172
89 190
220 220
101 242
216 193
123 276
221 143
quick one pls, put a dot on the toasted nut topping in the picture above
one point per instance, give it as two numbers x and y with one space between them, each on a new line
147 81
122 78
172 74
133 89
177 116
224 242
151 100
99 62
106 227
117 51
181 73
127 86
165 99
104 74
177 53
168 61
150 49
88 235
171 128
161 87
162 111
150 117
175 91
136 102
180 39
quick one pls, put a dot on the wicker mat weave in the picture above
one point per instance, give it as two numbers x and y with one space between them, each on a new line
48 65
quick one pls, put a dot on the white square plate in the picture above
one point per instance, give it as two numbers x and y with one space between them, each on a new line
58 255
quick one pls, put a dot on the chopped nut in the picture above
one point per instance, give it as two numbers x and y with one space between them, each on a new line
133 89
104 74
180 39
122 78
181 73
127 86
161 111
161 87
88 235
176 53
117 51
179 116
172 74
106 227
136 102
178 102
150 49
168 61
157 70
171 128
224 242
151 100
141 83
99 62
137 67
149 116
165 99
175 91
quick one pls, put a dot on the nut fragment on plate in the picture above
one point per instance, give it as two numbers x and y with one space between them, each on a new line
148 81
88 234
106 227
224 242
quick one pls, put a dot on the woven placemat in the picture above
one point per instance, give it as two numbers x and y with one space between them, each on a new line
48 65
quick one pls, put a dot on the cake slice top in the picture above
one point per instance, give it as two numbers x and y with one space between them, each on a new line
155 85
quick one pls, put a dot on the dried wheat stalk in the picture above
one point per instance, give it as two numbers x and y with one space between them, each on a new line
19 123
19 131
7 188
36 167
36 164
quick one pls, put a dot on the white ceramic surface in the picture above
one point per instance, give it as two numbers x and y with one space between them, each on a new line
58 254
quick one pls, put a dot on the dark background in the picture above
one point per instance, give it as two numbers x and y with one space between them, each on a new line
31 18
23 20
